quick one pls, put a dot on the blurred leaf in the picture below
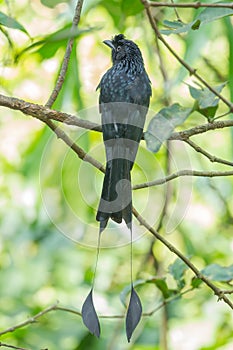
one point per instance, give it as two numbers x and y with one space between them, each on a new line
196 25
87 342
114 9
130 9
206 100
229 38
134 313
89 316
30 165
177 27
196 282
162 286
162 125
211 14
219 273
194 42
10 22
206 16
177 270
52 3
51 43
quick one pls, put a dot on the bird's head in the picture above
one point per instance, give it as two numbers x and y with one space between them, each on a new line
123 49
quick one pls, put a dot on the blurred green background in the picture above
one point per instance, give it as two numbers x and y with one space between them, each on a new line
49 197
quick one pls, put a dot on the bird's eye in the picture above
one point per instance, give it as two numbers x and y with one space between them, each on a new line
118 48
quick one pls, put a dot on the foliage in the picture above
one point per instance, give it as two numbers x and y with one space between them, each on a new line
49 196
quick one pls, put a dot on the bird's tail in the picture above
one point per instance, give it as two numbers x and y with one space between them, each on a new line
116 197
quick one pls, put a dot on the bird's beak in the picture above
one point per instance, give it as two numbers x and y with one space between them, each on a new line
109 43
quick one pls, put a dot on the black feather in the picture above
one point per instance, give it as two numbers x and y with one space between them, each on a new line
124 99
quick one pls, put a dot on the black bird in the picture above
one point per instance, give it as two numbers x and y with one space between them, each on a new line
125 92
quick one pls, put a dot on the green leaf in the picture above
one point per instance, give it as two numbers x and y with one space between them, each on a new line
162 125
206 16
114 10
196 282
196 25
219 273
131 10
52 3
10 22
176 27
177 270
206 100
211 14
48 45
162 286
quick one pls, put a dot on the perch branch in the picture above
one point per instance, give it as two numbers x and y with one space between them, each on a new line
44 114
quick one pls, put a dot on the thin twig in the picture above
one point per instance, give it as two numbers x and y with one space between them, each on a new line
223 198
214 69
32 319
176 12
211 157
167 102
78 150
55 307
65 62
181 173
195 5
227 291
191 70
174 250
200 129
11 346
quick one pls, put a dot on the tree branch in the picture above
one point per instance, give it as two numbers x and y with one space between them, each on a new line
65 62
173 249
195 5
191 70
12 346
32 319
44 114
78 150
181 173
200 129
211 157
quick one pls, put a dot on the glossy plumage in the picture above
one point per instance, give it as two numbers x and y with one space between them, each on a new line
124 99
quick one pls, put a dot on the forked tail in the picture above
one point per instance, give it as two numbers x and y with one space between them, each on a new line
116 197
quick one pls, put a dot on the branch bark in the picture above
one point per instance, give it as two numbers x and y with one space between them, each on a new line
181 173
211 157
44 114
191 70
195 5
65 62
173 249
